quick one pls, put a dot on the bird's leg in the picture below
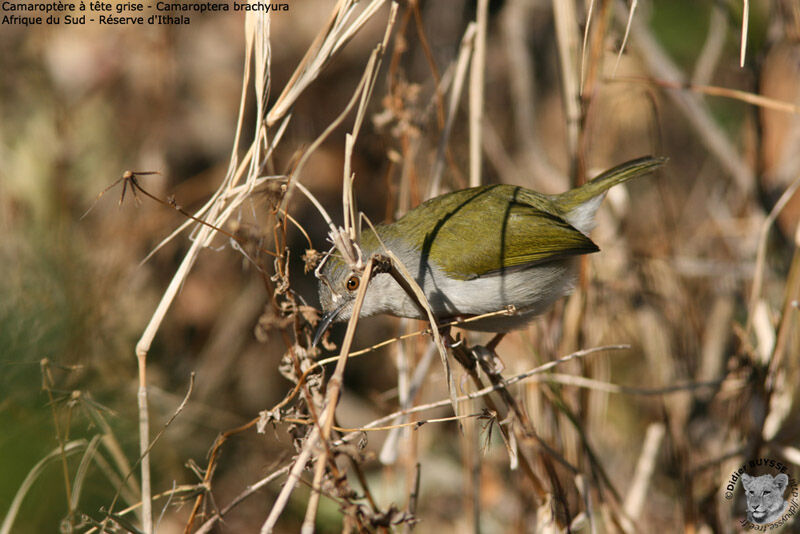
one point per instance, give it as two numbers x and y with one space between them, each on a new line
488 358
471 358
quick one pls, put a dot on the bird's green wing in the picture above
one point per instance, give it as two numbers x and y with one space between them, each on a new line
529 237
487 230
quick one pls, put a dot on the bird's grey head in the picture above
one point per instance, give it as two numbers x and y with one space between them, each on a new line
338 286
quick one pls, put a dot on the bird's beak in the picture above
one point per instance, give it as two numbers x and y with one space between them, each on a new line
325 322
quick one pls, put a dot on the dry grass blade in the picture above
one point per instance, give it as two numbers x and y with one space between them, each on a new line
364 85
143 345
216 212
404 278
146 454
128 488
786 326
332 398
83 468
339 29
351 226
599 385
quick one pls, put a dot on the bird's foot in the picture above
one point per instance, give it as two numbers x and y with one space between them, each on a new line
488 359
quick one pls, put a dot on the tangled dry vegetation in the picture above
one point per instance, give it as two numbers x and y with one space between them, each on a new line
623 409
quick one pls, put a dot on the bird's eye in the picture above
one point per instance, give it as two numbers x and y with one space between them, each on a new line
352 283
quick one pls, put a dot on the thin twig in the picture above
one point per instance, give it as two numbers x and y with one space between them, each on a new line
599 385
250 490
726 92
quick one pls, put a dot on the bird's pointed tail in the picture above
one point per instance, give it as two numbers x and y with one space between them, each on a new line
621 173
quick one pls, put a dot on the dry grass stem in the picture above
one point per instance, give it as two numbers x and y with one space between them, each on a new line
476 99
566 25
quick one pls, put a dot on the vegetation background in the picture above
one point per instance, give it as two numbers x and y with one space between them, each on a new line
699 271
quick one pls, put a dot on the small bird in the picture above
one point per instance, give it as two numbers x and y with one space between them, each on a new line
477 251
